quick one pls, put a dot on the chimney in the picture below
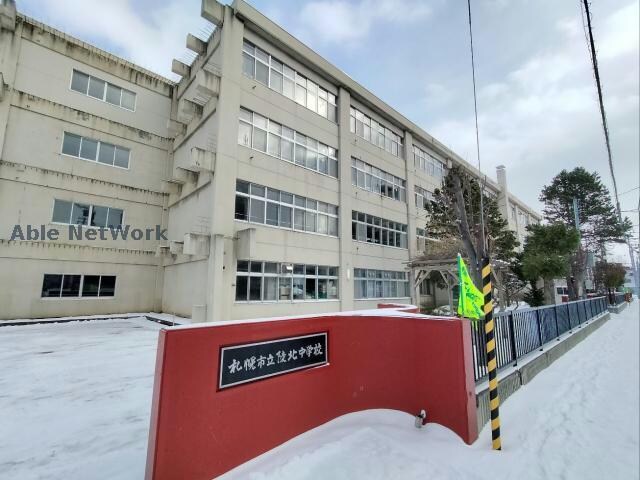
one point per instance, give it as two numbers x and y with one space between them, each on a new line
501 172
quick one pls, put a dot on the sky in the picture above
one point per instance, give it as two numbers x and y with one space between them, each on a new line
537 101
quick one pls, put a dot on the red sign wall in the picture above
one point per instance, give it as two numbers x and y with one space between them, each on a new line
408 363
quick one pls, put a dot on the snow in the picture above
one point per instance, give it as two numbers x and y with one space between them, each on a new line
75 401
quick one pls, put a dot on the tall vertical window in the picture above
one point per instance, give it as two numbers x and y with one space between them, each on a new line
74 213
266 69
104 91
260 133
380 284
258 281
74 286
423 197
428 163
421 235
268 206
377 181
95 151
372 229
366 127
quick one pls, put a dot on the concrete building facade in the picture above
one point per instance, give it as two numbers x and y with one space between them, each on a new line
284 186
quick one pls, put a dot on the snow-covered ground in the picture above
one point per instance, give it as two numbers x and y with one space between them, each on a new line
75 399
74 404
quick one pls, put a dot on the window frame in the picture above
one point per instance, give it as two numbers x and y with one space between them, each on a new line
104 92
329 97
362 222
81 287
321 208
378 278
391 142
91 208
95 161
298 140
382 177
286 270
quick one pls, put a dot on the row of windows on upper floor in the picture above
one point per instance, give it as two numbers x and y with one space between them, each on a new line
267 206
102 90
278 76
266 69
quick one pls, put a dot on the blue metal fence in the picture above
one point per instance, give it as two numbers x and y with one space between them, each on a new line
519 332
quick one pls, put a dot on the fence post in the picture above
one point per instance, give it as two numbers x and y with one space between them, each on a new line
537 310
555 315
512 338
569 318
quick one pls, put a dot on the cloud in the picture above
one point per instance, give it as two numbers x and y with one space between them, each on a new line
151 38
339 22
543 115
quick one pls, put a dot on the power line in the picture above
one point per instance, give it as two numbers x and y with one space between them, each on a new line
475 111
603 115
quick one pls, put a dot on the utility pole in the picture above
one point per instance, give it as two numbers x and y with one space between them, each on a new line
603 115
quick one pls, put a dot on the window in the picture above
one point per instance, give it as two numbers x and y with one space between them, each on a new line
95 151
260 133
258 281
380 284
104 91
423 197
428 163
258 204
377 181
421 235
74 286
81 214
374 132
269 71
426 287
372 229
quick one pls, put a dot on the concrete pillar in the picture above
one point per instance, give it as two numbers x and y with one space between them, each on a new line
503 195
10 41
412 240
345 138
221 268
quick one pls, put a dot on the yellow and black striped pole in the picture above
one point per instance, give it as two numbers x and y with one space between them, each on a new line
494 399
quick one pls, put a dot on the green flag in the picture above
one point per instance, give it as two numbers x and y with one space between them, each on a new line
470 300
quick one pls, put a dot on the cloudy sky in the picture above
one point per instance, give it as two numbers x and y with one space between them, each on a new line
537 101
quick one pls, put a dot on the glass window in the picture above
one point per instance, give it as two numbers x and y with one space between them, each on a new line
99 216
259 139
90 285
51 285
80 82
107 286
107 153
270 288
71 144
244 134
257 211
284 288
96 88
122 157
71 286
80 214
248 65
61 211
242 284
115 217
113 94
276 81
255 288
242 208
128 100
272 213
285 216
262 73
298 288
89 149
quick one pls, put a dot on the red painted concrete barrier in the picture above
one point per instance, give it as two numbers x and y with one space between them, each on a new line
398 361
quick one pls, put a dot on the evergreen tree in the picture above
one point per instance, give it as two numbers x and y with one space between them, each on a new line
599 223
598 220
547 253
454 213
